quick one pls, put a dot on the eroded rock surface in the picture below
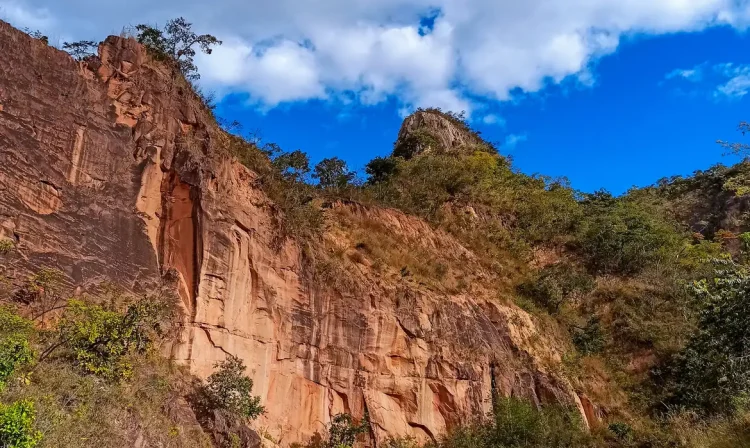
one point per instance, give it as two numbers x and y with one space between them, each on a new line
111 170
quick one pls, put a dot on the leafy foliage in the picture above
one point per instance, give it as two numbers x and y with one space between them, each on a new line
176 42
15 347
332 173
229 389
80 50
516 423
589 339
557 284
101 340
712 373
17 425
343 431
623 237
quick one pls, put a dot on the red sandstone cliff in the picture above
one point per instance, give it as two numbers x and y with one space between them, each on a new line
113 170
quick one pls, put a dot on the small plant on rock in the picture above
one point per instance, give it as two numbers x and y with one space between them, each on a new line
229 389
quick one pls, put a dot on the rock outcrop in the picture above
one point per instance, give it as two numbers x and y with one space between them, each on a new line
433 131
112 170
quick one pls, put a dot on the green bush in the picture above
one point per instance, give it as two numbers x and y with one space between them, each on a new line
343 431
620 236
516 423
711 375
229 389
589 340
15 347
101 340
17 425
556 285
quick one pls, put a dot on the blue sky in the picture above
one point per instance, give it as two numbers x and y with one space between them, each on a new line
609 93
633 126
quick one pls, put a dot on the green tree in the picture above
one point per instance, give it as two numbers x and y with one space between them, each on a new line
712 373
380 169
333 173
230 389
177 41
343 431
294 166
619 236
80 50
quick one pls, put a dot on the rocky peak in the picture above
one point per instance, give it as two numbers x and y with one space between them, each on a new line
435 131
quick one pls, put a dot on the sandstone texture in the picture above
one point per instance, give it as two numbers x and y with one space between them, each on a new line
111 170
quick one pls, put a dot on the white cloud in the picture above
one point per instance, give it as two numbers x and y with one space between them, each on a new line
694 74
493 119
738 83
512 140
726 80
477 50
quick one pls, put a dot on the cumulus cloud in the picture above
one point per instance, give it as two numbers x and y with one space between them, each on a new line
468 52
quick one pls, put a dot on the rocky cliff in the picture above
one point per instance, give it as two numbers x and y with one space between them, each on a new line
113 170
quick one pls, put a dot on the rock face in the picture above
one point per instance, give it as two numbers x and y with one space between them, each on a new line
111 170
433 131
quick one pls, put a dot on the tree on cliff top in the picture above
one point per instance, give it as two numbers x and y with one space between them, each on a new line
176 42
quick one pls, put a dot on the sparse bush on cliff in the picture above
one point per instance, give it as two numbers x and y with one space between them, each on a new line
342 432
6 246
36 34
229 389
176 43
102 341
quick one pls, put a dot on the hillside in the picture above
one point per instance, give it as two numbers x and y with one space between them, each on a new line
446 286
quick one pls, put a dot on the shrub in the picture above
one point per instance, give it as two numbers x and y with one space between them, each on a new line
15 348
557 284
589 340
343 432
711 375
17 425
624 237
230 390
6 246
517 423
101 340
